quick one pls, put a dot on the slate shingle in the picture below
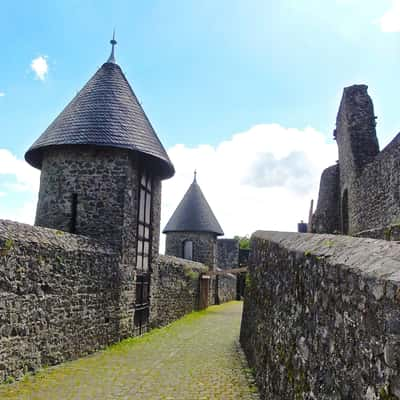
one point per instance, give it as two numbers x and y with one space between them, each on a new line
193 214
106 112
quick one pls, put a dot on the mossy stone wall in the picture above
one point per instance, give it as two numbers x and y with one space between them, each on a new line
321 316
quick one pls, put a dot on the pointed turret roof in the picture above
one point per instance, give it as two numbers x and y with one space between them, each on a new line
106 112
193 214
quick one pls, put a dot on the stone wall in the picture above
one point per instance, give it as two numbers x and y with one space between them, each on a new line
326 218
321 317
174 289
104 183
355 132
227 288
377 192
98 178
361 195
228 253
204 246
61 296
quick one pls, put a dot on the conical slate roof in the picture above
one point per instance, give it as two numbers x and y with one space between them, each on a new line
105 112
193 214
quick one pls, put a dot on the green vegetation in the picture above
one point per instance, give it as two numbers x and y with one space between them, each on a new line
8 245
244 241
9 380
296 376
166 363
193 275
247 281
384 394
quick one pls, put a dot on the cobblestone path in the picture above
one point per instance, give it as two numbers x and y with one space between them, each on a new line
195 358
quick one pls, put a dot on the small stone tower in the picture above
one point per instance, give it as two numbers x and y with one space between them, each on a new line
193 229
101 168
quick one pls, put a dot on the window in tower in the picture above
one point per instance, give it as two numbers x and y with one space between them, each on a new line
74 207
144 223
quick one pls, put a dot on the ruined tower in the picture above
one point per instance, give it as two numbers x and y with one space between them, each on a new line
357 145
360 192
101 168
193 229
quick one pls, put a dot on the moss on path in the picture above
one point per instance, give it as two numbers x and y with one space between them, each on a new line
195 358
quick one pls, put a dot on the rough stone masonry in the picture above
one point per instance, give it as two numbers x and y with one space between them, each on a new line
360 194
321 317
63 296
82 278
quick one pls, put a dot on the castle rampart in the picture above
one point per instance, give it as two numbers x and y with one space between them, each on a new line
63 296
321 316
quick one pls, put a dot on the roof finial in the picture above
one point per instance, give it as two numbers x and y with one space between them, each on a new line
113 42
195 176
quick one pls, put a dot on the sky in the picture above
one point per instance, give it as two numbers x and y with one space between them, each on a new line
246 92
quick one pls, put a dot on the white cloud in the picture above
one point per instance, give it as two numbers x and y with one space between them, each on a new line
263 178
2 94
390 21
24 213
18 181
16 174
40 67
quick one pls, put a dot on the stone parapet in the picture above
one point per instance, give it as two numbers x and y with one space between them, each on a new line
60 297
174 289
322 316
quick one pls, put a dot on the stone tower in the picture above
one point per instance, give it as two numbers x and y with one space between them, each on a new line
357 142
101 168
193 229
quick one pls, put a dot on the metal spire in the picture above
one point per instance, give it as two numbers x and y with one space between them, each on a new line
195 176
113 42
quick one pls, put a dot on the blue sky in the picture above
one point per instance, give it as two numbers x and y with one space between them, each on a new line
204 71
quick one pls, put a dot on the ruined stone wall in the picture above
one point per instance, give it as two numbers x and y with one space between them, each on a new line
174 289
355 133
326 218
228 253
366 201
377 192
61 296
204 246
321 317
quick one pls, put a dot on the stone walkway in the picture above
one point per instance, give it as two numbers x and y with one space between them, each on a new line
196 358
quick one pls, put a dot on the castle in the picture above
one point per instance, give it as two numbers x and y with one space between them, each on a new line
89 272
360 195
321 312
321 315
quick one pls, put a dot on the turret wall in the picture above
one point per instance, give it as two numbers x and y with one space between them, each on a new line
204 246
82 190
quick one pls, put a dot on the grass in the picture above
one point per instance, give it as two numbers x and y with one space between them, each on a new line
176 356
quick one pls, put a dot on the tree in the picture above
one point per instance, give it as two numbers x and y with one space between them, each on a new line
244 241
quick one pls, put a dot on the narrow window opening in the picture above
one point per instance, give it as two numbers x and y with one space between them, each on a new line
74 207
143 253
345 213
143 259
188 250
